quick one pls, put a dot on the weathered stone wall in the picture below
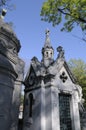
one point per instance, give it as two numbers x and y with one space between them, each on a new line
32 121
11 77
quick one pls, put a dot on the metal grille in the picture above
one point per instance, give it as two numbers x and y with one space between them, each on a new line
64 107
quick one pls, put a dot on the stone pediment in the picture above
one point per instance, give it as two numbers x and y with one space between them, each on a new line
55 68
30 77
38 70
36 65
69 72
41 70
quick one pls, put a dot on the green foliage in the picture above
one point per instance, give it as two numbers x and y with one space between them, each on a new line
73 11
78 68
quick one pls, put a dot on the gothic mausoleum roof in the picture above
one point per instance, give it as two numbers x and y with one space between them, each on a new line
58 67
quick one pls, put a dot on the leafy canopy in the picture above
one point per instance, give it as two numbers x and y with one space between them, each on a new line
78 68
73 11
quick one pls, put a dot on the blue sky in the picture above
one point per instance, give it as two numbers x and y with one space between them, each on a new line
30 30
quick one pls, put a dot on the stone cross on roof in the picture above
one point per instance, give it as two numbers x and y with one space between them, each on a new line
47 32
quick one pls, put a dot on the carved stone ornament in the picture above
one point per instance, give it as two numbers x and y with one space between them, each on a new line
8 46
32 79
61 52
12 49
63 77
2 43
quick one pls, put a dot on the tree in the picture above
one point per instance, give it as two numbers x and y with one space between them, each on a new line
73 11
78 68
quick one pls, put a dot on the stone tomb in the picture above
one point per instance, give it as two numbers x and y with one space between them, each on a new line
11 77
52 97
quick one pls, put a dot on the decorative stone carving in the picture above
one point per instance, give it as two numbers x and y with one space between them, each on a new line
63 77
2 43
61 52
9 37
31 79
47 51
34 59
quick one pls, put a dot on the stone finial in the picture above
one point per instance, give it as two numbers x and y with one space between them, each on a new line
3 13
47 32
61 52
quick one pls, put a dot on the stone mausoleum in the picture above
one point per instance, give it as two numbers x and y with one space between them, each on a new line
11 77
52 99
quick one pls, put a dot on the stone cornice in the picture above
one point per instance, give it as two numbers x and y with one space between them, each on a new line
69 72
11 36
8 71
9 55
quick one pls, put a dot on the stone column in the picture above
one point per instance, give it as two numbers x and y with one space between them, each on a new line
75 112
55 108
7 79
17 95
43 117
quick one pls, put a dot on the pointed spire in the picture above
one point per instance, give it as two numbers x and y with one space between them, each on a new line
47 40
47 51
